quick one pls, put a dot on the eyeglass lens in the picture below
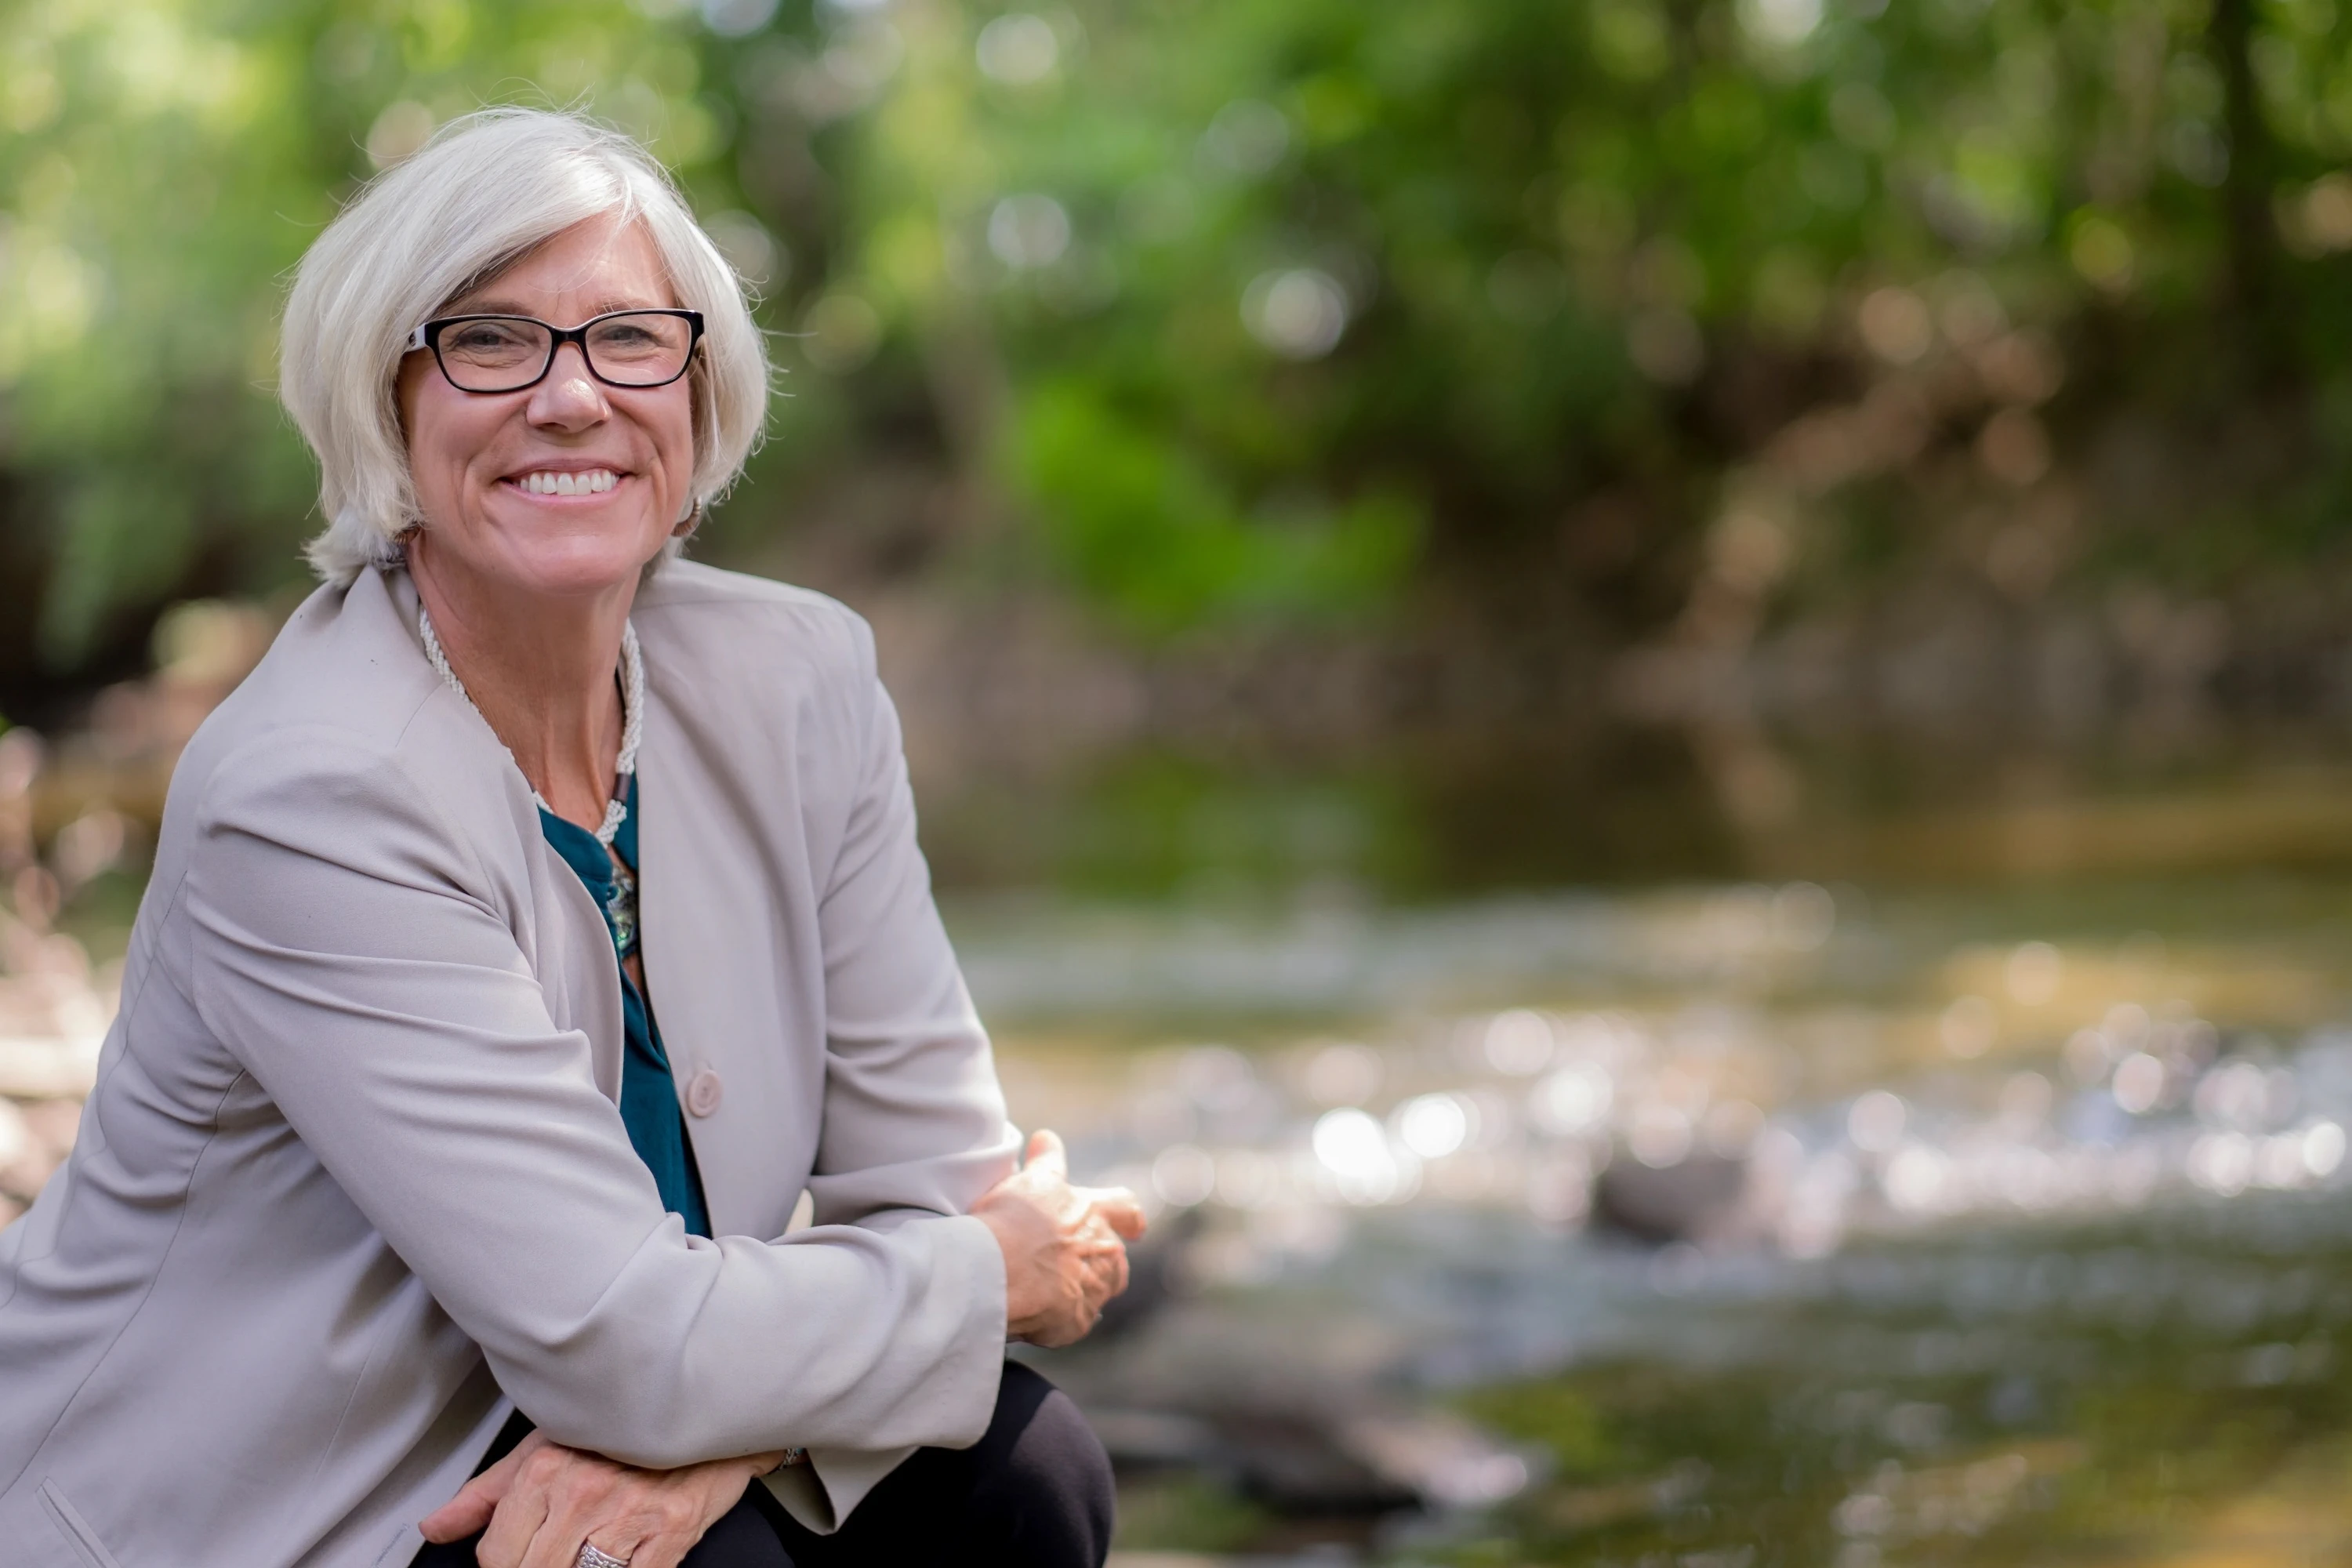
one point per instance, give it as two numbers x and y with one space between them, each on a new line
499 353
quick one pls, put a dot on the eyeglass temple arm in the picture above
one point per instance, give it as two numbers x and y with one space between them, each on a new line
415 340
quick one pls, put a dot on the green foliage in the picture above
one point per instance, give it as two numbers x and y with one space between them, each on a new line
1504 257
162 166
1560 1417
1243 310
1183 1514
1150 531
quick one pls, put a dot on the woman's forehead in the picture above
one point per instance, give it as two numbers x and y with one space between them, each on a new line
592 267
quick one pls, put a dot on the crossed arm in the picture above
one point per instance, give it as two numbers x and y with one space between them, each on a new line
1064 1256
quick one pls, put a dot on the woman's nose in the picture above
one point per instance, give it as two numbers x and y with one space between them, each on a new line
569 399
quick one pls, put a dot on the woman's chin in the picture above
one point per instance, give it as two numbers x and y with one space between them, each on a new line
575 568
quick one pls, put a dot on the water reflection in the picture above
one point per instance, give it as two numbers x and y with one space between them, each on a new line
1753 1224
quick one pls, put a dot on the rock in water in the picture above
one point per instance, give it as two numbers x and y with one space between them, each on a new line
1688 1201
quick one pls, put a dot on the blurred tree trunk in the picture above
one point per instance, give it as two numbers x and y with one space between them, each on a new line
2251 278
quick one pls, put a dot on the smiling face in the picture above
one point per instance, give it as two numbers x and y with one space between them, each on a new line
566 489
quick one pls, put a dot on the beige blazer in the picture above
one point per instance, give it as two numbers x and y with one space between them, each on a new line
352 1178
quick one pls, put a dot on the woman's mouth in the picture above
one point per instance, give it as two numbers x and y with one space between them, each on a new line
553 482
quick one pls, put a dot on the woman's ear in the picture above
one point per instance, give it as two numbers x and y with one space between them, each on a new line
685 527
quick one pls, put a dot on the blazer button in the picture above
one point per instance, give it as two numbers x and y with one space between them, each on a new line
703 1093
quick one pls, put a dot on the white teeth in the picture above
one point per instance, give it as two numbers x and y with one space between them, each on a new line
596 481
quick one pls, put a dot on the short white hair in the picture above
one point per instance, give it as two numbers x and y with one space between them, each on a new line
486 190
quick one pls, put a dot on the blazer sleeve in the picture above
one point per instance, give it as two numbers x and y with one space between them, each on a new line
914 1121
347 948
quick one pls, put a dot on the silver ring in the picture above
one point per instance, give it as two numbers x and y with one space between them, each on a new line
595 1557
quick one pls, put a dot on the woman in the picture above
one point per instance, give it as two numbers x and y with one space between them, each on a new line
537 922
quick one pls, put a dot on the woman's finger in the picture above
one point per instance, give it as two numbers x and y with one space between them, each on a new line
556 1542
462 1515
1103 1277
636 1547
581 1492
675 1531
1121 1209
1112 1277
552 1547
589 1516
479 1498
1095 1236
656 1551
1046 1152
519 1514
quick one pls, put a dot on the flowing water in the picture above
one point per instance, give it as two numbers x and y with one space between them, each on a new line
1914 1218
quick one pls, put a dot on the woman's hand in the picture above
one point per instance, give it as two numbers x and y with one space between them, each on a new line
544 1501
1065 1246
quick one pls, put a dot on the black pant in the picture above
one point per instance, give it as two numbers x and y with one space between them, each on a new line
1035 1492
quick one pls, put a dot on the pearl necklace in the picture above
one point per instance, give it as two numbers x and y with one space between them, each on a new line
633 709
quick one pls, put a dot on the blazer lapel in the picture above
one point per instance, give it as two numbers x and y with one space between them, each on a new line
563 931
714 972
575 963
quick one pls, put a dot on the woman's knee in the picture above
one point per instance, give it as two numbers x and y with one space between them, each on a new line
1048 1471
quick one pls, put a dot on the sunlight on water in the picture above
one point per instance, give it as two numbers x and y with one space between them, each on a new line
1723 1226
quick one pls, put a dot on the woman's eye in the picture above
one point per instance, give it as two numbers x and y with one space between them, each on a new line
484 339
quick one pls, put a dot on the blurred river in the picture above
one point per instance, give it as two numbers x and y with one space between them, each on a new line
1962 1219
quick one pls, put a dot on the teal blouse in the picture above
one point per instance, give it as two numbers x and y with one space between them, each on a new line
649 1106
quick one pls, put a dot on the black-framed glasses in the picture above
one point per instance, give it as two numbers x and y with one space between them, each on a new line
506 353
